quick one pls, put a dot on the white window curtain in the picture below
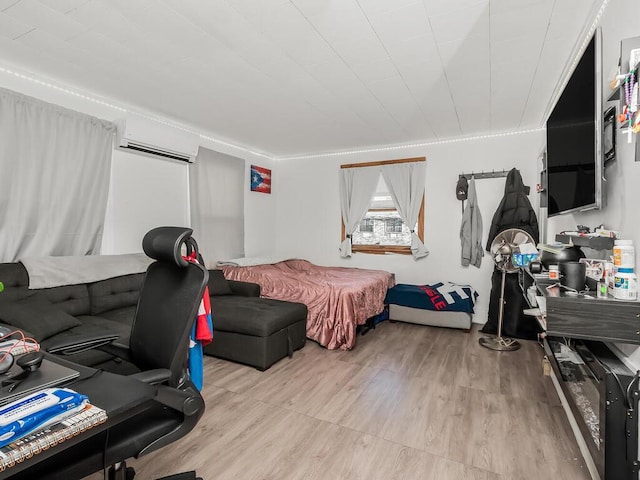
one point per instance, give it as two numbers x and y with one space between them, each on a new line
406 183
216 186
55 166
357 185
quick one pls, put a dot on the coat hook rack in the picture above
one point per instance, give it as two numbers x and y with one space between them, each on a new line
482 175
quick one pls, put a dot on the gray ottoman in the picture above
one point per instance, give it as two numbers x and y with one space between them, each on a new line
256 331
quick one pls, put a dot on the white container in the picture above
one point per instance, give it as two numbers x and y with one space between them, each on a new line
625 284
624 254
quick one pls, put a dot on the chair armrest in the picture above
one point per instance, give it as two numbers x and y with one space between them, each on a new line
189 402
244 289
117 349
153 377
77 344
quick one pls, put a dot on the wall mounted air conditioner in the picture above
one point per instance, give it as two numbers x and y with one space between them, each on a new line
147 136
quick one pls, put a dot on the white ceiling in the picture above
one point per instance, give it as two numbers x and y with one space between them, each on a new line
292 77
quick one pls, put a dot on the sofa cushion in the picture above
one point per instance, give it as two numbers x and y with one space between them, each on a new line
73 299
16 281
259 317
124 315
218 285
115 293
37 316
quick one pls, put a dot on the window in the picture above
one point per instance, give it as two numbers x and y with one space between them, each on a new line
366 225
393 225
382 230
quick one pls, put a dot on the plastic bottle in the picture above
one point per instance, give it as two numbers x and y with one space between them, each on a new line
626 284
624 254
554 272
602 288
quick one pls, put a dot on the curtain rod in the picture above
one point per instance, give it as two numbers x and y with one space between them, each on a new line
481 175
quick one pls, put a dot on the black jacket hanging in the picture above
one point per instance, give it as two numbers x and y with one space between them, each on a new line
514 211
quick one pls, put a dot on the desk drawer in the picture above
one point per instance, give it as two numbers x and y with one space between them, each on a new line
591 319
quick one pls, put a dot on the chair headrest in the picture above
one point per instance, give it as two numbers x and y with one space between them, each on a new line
164 244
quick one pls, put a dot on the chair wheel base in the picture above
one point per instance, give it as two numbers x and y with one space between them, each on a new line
120 471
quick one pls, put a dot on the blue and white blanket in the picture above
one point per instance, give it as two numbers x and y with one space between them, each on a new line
446 297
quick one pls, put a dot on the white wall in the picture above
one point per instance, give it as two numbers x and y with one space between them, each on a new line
308 210
145 192
148 191
623 176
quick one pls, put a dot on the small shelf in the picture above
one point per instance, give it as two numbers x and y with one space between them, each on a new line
596 243
614 95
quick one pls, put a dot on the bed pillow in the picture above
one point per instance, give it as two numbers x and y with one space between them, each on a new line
218 285
38 317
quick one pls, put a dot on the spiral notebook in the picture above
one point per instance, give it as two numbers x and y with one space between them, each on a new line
48 375
51 436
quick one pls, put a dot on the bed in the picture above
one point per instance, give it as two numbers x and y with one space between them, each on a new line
338 299
441 305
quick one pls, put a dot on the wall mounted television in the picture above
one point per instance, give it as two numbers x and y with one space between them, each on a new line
574 138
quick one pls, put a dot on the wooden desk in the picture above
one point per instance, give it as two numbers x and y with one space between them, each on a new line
122 397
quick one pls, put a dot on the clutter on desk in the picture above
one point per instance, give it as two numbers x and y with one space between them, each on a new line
41 420
552 254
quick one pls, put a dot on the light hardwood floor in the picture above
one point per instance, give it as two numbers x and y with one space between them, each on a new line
409 402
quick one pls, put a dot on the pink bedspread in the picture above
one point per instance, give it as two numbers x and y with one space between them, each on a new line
338 299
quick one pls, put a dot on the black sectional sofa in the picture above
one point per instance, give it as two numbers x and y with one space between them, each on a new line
247 329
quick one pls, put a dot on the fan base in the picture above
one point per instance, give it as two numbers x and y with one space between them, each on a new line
501 344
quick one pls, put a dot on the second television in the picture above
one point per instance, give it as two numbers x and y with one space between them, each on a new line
574 137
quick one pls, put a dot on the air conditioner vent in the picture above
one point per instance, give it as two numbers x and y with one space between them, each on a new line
155 138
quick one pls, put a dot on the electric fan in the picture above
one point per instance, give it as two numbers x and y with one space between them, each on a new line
503 247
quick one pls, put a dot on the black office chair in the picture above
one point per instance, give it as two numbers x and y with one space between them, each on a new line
158 347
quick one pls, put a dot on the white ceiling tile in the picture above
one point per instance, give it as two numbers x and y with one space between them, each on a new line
16 54
375 71
361 49
336 20
449 27
524 49
413 49
63 6
336 76
399 102
440 7
474 48
403 22
39 39
11 28
391 89
504 6
566 25
328 74
4 4
514 23
134 10
100 16
103 48
251 8
45 18
377 7
426 81
474 119
290 30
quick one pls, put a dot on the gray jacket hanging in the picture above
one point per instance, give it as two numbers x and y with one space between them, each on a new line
471 230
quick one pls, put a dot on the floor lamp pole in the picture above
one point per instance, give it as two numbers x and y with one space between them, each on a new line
499 342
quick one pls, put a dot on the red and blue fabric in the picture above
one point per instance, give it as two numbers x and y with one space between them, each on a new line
201 335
